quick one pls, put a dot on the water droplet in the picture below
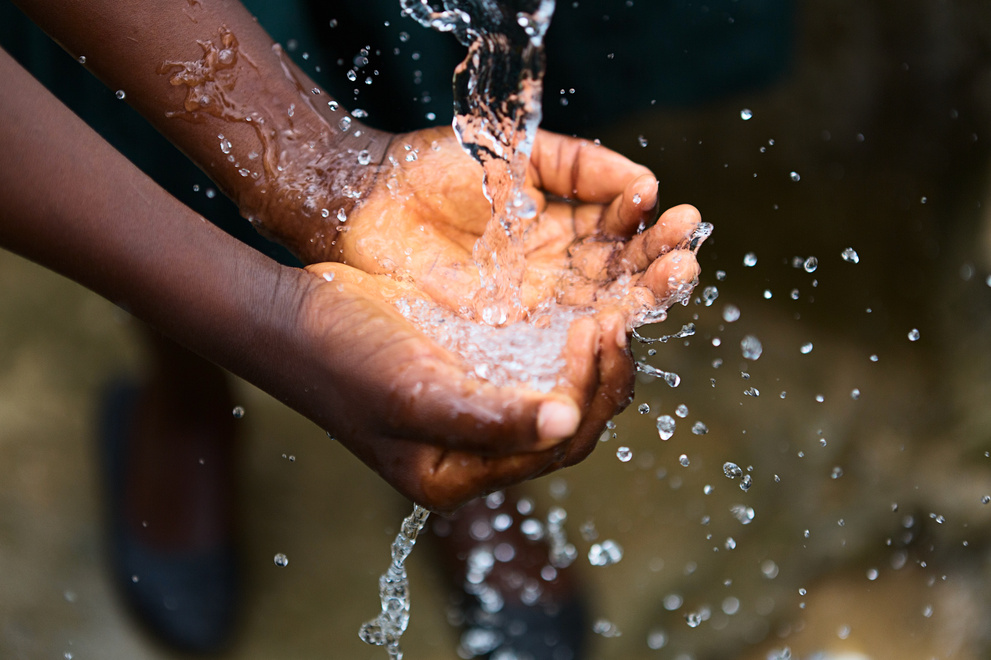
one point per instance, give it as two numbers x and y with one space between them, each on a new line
731 313
855 393
238 412
751 347
709 295
657 639
751 391
120 94
665 426
681 410
624 454
746 114
850 256
810 264
333 105
359 113
873 358
602 627
695 619
743 514
871 574
913 334
767 294
730 543
683 459
750 260
642 141
342 215
364 158
746 483
806 348
732 470
698 428
352 75
605 554
769 569
643 408
281 560
345 123
986 499
81 59
795 176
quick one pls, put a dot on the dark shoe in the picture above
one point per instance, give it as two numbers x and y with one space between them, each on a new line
509 600
187 598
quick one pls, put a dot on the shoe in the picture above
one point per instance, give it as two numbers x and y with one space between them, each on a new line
508 598
185 598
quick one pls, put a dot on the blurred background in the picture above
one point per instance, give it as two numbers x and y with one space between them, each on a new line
799 129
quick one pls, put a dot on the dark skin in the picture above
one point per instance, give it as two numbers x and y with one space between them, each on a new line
337 351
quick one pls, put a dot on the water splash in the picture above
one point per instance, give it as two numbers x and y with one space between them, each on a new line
497 107
687 330
388 627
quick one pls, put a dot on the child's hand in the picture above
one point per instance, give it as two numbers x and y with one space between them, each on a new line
419 416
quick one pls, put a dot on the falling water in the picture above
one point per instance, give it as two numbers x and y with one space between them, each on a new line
388 627
497 107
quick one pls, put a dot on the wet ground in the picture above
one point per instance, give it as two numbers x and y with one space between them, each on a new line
867 532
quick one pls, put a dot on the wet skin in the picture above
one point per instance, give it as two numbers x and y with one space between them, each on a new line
337 351
413 238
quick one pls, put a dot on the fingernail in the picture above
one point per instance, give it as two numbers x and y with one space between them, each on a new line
556 421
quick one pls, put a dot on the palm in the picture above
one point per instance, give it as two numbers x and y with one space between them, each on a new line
426 210
438 432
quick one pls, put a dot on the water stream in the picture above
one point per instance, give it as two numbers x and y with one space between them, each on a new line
386 629
497 91
497 107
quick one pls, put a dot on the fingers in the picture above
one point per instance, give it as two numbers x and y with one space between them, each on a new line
438 404
675 228
422 391
613 392
672 276
633 209
575 168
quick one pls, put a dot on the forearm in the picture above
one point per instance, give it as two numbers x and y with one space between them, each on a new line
210 79
73 204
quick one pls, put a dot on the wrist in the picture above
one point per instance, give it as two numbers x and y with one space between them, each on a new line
294 161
